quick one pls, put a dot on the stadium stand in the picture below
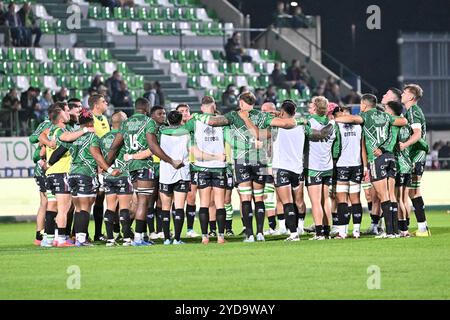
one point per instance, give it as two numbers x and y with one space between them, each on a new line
71 58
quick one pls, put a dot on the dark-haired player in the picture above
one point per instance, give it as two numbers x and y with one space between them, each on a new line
349 173
208 150
99 106
138 133
404 169
378 142
191 207
173 182
250 162
418 146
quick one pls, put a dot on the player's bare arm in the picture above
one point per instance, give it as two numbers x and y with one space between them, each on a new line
218 121
72 136
115 147
355 119
101 162
44 140
417 134
205 156
138 156
156 150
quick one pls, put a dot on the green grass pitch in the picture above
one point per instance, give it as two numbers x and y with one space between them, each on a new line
414 268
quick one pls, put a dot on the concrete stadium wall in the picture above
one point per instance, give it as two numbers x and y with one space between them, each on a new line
19 197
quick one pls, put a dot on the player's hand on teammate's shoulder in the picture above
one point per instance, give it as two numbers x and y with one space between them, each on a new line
221 157
127 157
402 146
326 132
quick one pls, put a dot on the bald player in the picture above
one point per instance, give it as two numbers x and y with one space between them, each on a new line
119 190
99 106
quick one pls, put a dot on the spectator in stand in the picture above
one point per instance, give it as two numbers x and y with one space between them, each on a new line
150 94
299 20
229 98
96 82
435 156
14 22
444 155
45 101
280 15
61 95
85 100
334 94
29 103
29 22
320 89
123 101
234 51
103 90
117 3
243 89
161 98
306 76
113 83
10 103
279 78
260 96
294 75
352 98
271 95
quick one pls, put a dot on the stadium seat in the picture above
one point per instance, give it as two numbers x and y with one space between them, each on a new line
7 83
36 82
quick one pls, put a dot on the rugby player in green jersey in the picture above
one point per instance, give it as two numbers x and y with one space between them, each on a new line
404 169
138 133
118 190
418 146
39 173
86 157
208 152
379 149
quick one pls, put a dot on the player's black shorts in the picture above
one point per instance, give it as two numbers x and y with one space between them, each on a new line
229 181
319 180
119 186
402 179
58 183
211 179
349 174
244 172
418 168
179 186
383 167
270 178
40 181
83 186
147 174
284 177
194 178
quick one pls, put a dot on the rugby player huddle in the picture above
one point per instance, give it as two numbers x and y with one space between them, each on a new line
149 167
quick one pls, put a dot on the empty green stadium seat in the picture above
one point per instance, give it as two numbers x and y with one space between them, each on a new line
74 82
72 68
153 14
283 94
27 55
124 27
193 82
92 54
65 55
106 13
45 26
118 13
7 83
31 68
104 55
190 14
12 54
122 68
236 68
142 14
16 68
36 82
218 81
96 68
62 81
94 12
45 68
195 55
264 81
